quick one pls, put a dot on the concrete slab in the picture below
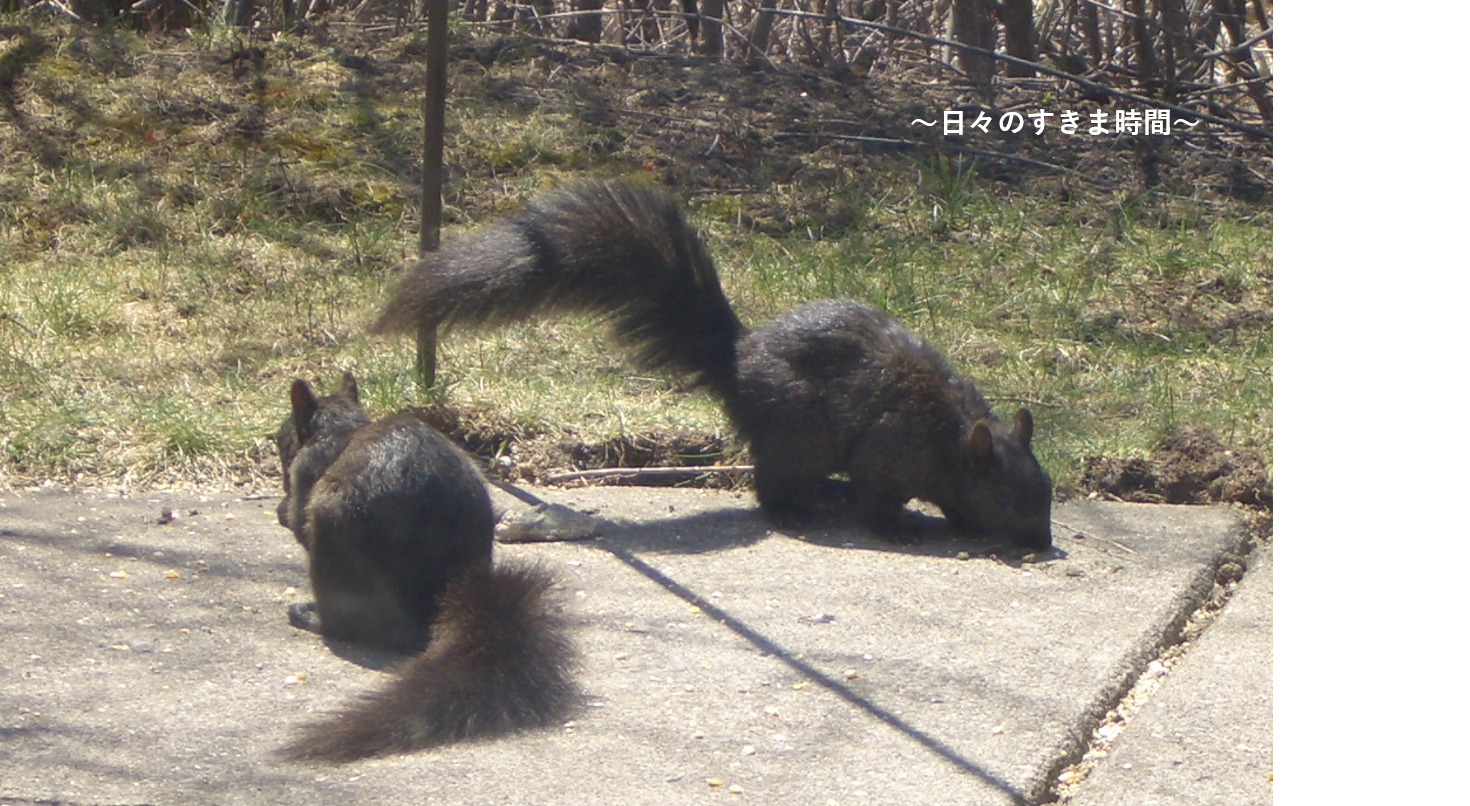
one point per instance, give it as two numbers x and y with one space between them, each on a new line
151 662
1205 738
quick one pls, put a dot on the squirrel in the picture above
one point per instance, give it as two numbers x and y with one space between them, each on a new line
832 386
398 528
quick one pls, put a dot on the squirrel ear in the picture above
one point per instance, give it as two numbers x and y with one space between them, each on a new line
302 398
981 441
1022 427
348 389
303 405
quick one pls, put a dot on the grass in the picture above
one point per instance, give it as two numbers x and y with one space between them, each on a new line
183 233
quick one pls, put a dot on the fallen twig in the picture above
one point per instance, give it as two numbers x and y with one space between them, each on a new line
1091 536
649 472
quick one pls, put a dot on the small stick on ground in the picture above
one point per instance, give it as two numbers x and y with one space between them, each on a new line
648 472
1091 536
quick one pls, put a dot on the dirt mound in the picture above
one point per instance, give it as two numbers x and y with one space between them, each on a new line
1190 466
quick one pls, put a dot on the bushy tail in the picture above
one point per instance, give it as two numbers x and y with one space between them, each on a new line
603 247
499 661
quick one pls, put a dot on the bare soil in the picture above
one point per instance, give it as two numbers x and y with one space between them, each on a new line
1190 466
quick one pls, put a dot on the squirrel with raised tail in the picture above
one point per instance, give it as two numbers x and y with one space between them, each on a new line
397 525
830 387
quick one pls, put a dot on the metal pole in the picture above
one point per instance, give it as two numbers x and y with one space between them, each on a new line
433 203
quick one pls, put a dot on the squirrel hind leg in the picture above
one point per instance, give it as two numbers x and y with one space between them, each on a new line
377 621
303 616
788 513
886 515
788 492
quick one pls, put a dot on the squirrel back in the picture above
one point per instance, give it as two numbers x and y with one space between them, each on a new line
833 386
398 529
